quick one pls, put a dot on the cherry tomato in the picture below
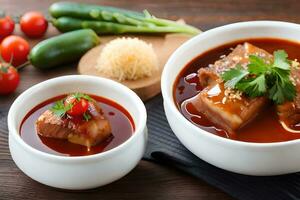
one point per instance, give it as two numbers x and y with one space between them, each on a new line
33 24
79 106
7 26
16 49
9 79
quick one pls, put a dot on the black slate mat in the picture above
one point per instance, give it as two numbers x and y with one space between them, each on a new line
163 147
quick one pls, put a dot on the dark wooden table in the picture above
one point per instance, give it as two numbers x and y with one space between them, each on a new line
147 180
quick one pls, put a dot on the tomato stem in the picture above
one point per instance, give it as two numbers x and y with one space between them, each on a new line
3 68
16 19
23 65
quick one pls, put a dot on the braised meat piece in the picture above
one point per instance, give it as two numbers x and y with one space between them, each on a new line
76 129
51 125
239 55
289 112
229 109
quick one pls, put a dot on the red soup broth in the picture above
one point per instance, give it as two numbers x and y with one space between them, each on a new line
265 128
120 120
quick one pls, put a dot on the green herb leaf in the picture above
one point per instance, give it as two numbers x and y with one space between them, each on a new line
280 60
86 116
257 65
281 87
261 78
79 96
280 92
254 87
233 76
60 109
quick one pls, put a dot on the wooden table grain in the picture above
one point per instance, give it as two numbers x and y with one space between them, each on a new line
147 180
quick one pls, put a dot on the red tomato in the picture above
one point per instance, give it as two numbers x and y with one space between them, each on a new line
33 24
9 79
79 106
16 49
7 26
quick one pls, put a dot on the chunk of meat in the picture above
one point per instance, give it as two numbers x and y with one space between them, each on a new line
239 55
289 112
75 130
228 109
50 125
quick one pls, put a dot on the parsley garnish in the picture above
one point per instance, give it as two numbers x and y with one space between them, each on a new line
79 96
86 116
262 78
235 76
60 109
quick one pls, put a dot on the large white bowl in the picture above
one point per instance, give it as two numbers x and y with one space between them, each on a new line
240 157
83 172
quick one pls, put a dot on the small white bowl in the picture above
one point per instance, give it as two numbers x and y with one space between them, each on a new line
240 157
82 172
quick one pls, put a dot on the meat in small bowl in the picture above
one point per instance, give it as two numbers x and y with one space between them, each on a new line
77 132
77 124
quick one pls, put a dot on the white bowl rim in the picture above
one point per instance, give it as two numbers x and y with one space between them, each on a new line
185 46
139 128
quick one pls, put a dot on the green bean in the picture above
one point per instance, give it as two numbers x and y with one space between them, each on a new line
86 11
65 24
102 13
122 19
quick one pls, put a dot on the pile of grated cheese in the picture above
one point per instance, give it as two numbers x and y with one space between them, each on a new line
127 59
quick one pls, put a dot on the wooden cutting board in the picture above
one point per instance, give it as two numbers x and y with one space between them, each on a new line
163 45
